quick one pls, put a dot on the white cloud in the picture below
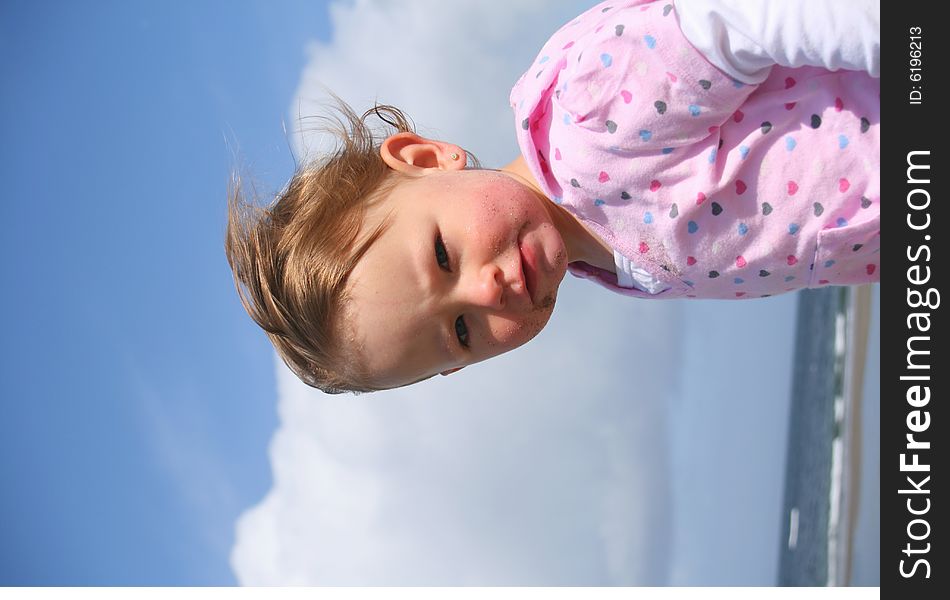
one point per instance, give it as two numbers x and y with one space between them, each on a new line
450 65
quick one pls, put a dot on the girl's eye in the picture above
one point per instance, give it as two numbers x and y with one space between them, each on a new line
461 331
441 255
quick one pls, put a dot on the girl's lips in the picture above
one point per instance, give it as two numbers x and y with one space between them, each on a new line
529 269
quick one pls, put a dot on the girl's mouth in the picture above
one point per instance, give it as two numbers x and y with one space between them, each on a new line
528 269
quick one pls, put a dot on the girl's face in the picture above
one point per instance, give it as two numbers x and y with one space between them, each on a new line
468 268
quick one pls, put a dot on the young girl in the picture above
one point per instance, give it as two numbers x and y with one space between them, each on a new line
697 150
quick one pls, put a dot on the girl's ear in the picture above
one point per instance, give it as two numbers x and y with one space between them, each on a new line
414 155
450 371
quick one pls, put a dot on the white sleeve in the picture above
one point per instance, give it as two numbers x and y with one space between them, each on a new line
744 38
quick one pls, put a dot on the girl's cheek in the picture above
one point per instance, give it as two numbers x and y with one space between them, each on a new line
510 334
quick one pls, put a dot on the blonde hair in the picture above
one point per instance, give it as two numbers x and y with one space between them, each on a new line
291 260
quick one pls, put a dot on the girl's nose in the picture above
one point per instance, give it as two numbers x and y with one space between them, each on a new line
486 288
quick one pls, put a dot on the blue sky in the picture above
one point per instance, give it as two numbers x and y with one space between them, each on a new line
150 436
119 120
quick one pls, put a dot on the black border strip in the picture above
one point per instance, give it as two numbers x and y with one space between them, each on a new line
916 106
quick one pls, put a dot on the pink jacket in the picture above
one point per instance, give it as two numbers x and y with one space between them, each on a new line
718 189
